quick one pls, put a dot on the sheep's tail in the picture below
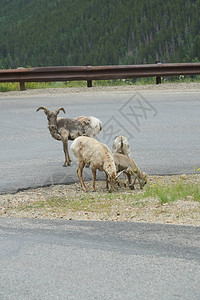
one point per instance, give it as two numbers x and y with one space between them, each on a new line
122 144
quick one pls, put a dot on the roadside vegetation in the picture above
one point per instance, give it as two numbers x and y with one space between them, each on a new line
171 193
165 199
6 86
102 201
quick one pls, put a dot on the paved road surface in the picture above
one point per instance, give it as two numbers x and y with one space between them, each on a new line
162 127
43 259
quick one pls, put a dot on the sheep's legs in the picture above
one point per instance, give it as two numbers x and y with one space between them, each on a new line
131 184
64 137
67 157
79 173
107 187
125 179
94 178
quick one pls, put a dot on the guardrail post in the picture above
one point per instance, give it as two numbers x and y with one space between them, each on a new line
89 83
158 79
22 86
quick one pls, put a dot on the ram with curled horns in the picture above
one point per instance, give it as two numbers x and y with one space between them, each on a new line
64 129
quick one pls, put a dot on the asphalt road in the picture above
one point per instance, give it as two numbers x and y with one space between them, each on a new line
48 259
162 128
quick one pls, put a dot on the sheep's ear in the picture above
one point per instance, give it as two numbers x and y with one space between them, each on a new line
117 176
58 110
46 110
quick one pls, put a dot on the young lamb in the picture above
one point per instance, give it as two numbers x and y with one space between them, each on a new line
64 129
129 167
89 151
121 145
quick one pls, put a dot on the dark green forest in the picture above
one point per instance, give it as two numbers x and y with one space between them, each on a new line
99 32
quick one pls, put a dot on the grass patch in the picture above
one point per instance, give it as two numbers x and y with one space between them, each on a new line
175 192
85 202
106 203
98 202
8 86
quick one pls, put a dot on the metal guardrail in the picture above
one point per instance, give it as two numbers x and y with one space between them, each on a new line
89 73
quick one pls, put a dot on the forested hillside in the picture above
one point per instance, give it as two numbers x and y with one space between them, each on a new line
98 32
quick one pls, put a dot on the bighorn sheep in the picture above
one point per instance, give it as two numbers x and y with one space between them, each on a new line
129 167
89 151
121 145
64 129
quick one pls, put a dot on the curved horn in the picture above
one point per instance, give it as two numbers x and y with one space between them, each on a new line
46 110
117 176
59 109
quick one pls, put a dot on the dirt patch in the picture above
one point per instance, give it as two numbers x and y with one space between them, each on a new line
70 202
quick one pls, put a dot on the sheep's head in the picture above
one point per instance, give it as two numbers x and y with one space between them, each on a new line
112 179
143 180
51 116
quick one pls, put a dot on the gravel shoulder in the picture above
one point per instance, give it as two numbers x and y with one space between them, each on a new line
160 88
71 203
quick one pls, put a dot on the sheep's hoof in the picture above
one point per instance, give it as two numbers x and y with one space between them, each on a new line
131 187
67 164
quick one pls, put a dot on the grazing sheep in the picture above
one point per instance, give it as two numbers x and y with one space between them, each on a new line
96 155
121 145
64 129
129 167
